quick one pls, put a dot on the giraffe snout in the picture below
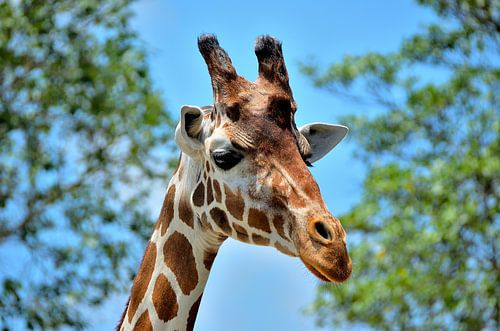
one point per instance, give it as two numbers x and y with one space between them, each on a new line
323 250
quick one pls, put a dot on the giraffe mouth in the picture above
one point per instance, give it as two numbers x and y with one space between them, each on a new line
327 277
316 272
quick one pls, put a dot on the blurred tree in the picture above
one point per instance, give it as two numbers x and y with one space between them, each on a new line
83 136
427 228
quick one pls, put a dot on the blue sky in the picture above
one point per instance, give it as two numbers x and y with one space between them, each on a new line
258 288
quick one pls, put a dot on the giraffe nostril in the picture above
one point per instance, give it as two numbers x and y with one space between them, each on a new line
323 230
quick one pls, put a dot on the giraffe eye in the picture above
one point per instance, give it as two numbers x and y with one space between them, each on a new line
226 159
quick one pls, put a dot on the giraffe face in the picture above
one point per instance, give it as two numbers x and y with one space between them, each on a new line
254 184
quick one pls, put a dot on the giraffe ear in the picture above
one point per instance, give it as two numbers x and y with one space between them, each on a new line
187 133
322 138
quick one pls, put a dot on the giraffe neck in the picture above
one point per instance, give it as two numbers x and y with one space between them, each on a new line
169 286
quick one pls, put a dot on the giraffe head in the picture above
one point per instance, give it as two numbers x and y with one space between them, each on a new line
253 182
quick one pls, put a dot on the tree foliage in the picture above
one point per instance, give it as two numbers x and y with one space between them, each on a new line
83 136
427 228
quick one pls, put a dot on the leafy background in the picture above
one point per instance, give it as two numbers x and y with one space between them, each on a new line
86 153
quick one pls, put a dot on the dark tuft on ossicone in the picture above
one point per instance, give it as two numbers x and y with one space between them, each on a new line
207 42
219 64
271 62
267 46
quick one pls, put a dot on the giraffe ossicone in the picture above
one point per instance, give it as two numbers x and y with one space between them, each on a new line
242 174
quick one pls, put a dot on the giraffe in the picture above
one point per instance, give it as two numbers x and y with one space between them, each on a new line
243 173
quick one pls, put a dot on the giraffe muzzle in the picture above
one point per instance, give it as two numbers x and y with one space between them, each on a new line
323 250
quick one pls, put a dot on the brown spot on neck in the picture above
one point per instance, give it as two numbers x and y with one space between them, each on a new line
258 219
259 240
234 203
199 195
279 225
143 323
164 299
241 233
178 255
210 196
185 211
167 210
208 259
142 279
220 218
217 191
